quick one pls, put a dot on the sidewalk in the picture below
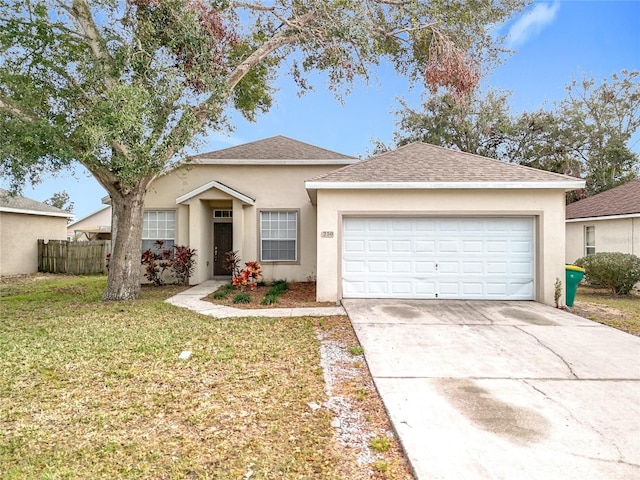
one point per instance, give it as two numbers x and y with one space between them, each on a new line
191 299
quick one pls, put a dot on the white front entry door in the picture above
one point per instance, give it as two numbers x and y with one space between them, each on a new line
489 258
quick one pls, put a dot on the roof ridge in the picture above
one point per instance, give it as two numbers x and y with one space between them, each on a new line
274 142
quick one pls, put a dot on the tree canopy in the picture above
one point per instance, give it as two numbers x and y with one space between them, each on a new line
589 134
124 87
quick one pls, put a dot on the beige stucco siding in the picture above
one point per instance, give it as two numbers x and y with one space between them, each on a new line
546 206
19 234
271 186
614 235
100 219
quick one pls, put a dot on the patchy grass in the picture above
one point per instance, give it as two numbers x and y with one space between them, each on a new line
96 390
598 304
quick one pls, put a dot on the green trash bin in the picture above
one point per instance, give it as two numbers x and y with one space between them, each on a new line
574 275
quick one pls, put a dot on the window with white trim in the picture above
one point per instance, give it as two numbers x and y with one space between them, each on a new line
589 240
279 236
158 225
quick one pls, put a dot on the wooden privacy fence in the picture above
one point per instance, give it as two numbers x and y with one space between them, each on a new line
78 258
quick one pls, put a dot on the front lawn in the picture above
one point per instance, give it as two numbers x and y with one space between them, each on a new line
598 304
97 390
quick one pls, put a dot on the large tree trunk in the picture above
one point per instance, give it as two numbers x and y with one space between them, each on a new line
125 275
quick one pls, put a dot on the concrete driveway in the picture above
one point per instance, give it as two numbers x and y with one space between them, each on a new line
504 390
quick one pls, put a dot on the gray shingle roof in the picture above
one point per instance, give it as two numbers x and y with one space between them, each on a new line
622 200
422 162
278 147
16 202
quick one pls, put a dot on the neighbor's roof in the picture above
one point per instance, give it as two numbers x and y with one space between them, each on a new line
275 149
16 204
622 200
421 165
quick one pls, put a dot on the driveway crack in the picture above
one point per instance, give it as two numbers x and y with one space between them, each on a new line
573 374
586 424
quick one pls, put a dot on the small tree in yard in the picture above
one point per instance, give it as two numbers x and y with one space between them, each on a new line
125 86
618 272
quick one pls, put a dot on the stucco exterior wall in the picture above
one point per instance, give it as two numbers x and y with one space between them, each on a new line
547 206
271 186
621 235
19 234
100 219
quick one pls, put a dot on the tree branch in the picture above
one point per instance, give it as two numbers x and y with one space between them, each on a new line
16 112
81 11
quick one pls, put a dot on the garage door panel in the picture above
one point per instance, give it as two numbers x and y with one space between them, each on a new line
374 246
400 246
354 266
424 246
422 266
354 246
438 258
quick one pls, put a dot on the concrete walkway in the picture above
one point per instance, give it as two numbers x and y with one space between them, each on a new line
504 390
192 300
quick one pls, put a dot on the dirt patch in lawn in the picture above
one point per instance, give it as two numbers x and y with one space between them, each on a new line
299 294
597 304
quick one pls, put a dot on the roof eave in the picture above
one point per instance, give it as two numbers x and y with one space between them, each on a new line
219 186
603 217
566 185
36 212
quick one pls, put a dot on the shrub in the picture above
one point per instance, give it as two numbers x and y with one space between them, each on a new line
613 270
248 276
223 291
183 263
269 299
242 297
278 287
232 263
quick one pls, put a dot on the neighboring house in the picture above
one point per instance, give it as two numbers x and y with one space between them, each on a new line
417 222
22 222
96 226
606 222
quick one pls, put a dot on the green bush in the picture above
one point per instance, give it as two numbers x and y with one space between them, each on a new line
278 287
242 298
269 299
223 291
613 270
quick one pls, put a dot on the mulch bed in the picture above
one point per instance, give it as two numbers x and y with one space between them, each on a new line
299 294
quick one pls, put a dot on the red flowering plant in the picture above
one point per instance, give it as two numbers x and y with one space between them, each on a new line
248 276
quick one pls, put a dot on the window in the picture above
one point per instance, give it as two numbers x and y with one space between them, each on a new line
222 213
158 225
589 240
279 236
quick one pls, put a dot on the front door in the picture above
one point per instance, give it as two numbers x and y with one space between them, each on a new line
222 243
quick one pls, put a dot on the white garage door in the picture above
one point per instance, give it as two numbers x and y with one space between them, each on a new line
447 258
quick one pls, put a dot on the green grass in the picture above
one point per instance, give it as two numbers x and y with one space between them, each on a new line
96 390
617 311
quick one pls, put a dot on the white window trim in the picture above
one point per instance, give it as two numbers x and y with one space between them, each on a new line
165 239
297 239
588 246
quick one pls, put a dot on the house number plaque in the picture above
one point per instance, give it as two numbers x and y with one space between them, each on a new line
326 234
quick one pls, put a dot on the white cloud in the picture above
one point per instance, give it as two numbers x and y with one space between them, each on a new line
531 23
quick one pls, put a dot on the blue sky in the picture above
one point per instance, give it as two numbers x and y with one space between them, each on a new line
555 42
